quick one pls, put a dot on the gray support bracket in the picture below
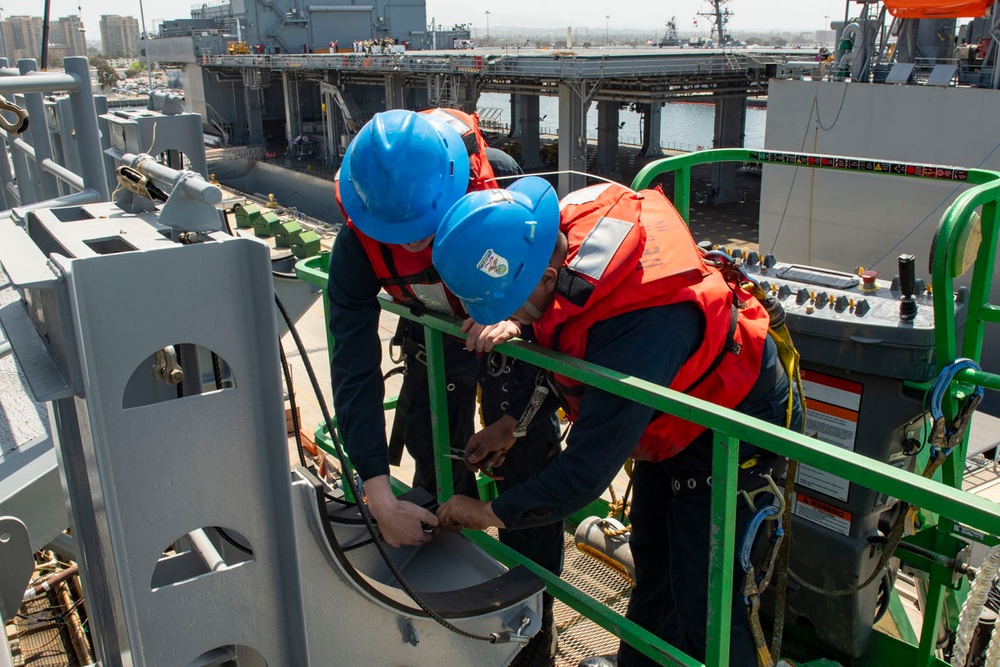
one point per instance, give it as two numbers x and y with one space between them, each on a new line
18 562
38 364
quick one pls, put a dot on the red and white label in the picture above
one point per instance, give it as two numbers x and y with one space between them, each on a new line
833 405
823 514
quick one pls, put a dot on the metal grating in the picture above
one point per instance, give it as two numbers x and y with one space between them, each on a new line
41 641
580 638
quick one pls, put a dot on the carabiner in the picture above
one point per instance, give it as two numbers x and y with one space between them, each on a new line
19 125
772 488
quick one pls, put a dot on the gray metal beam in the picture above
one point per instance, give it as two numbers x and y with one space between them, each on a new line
530 122
293 116
254 100
88 138
515 116
607 140
41 141
652 121
24 173
730 127
39 83
572 140
394 93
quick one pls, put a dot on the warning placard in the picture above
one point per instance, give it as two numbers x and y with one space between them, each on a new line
833 407
823 514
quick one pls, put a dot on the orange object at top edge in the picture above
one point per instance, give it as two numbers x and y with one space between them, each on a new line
931 9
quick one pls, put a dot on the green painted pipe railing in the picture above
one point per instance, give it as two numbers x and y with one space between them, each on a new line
730 427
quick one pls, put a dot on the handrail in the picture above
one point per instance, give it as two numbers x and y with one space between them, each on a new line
40 183
730 427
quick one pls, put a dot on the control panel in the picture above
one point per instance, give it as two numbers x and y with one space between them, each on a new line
889 323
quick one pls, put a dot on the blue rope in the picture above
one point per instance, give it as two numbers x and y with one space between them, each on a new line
940 390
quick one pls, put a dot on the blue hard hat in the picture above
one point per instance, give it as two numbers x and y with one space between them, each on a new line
493 246
401 174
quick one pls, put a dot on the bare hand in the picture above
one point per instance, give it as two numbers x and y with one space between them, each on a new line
400 522
483 338
464 512
488 447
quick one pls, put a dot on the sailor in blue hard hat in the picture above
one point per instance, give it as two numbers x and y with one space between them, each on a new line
613 277
509 236
401 174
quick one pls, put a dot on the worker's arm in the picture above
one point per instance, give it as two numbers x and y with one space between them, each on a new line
358 388
356 359
651 344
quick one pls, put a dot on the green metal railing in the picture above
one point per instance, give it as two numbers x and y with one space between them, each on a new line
731 427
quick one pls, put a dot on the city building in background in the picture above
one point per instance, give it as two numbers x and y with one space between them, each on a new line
22 37
119 36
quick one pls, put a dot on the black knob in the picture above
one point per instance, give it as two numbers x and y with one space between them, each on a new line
907 274
784 291
753 258
801 296
841 303
907 285
862 307
769 261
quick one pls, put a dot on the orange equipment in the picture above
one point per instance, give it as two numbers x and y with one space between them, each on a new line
931 9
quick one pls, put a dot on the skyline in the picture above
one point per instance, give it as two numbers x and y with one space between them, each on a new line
748 15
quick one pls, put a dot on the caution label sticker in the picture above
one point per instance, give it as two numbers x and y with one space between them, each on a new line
822 514
832 411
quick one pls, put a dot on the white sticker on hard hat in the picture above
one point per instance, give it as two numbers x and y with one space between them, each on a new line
493 264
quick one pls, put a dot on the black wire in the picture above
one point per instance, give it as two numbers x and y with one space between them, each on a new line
216 371
291 399
362 507
363 543
231 542
338 500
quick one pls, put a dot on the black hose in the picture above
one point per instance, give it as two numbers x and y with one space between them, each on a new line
232 542
291 400
362 507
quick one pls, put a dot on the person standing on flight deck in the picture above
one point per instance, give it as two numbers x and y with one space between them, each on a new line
615 278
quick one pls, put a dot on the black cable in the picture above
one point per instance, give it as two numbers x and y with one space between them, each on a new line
360 544
362 507
231 542
338 500
291 399
216 371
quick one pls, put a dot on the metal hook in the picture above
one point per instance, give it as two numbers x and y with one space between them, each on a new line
18 126
772 488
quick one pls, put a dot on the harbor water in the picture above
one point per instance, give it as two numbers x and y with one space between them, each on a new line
684 126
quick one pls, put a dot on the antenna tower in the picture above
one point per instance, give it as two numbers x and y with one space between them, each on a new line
719 15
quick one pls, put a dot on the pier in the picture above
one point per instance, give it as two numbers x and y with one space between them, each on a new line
330 95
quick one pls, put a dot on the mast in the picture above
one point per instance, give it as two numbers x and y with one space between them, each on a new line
719 15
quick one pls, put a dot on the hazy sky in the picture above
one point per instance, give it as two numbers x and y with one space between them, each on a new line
748 15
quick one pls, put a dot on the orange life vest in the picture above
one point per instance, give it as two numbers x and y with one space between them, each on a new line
409 277
629 251
481 175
